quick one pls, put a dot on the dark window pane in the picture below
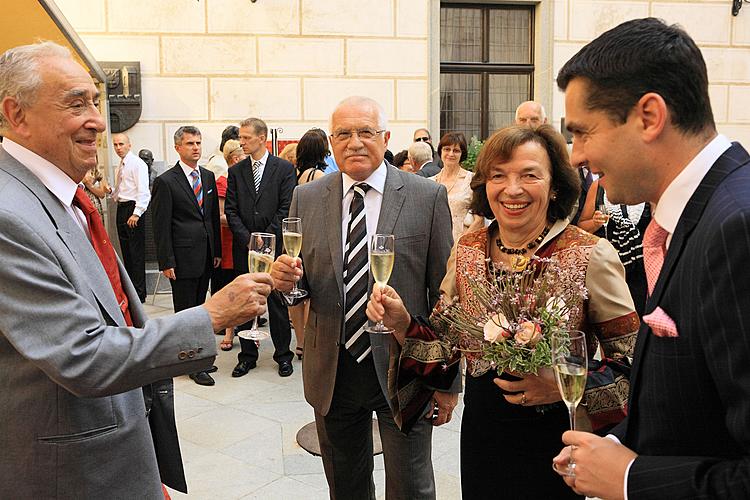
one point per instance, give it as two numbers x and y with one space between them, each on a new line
460 35
510 38
460 104
506 92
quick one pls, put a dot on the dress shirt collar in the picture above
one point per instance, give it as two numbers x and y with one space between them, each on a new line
263 159
376 180
680 190
188 170
54 179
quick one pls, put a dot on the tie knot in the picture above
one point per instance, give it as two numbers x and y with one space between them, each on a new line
82 201
360 189
194 174
256 164
655 236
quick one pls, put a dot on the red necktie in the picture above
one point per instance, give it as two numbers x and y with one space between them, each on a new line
103 248
654 248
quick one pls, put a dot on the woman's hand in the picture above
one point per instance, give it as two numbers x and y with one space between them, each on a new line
532 389
385 305
599 217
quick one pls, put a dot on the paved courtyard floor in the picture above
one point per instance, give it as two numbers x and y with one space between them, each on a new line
238 437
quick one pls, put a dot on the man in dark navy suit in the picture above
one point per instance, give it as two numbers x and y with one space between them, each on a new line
638 106
259 192
186 226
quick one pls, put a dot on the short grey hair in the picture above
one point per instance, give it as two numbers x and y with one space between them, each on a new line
538 106
420 153
20 75
358 100
258 125
185 129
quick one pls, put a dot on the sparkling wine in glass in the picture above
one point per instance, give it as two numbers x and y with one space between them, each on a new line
381 265
570 363
262 248
603 209
291 229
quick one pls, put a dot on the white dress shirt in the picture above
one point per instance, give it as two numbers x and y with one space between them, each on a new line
373 201
132 174
54 179
262 166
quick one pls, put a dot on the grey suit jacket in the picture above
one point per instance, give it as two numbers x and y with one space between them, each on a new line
416 211
71 407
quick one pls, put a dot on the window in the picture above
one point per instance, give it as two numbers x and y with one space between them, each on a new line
486 69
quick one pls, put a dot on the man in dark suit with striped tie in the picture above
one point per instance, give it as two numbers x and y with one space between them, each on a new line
638 106
259 190
346 368
186 226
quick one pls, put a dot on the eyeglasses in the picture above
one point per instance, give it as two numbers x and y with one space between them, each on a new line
421 139
364 134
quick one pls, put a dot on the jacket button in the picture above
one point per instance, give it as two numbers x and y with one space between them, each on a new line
182 355
191 353
200 349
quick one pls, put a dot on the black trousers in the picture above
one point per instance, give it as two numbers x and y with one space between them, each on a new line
133 246
345 436
281 333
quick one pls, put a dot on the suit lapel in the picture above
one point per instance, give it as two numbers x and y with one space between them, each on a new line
732 159
393 200
246 173
332 202
268 173
71 235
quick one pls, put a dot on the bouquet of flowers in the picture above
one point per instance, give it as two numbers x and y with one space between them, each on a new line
519 312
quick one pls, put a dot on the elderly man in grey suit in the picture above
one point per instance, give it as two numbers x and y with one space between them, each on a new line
345 368
74 420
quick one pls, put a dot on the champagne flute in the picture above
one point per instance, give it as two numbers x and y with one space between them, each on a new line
602 207
291 229
570 363
262 248
381 265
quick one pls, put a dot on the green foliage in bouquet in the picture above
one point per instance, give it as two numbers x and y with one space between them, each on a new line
521 312
474 147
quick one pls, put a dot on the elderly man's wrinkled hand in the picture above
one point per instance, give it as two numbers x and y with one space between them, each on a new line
240 301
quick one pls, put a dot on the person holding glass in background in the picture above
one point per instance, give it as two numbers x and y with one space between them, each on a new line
96 187
524 181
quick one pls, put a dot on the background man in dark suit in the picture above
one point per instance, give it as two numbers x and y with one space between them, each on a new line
186 226
259 190
423 135
74 419
345 368
420 156
638 106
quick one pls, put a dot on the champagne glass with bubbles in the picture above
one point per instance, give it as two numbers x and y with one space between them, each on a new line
291 229
382 256
570 363
262 248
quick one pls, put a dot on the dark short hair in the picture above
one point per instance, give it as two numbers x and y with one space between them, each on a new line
566 185
322 133
185 129
231 132
400 158
638 57
453 139
311 150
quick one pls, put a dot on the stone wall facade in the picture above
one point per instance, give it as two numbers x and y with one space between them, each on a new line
213 62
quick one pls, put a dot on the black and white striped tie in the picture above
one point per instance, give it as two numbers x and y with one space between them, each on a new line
256 176
356 277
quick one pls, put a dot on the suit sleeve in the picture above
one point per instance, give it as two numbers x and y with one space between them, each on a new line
441 243
161 205
240 233
214 215
68 339
724 282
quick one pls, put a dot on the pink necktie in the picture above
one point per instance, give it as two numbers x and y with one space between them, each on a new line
654 248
